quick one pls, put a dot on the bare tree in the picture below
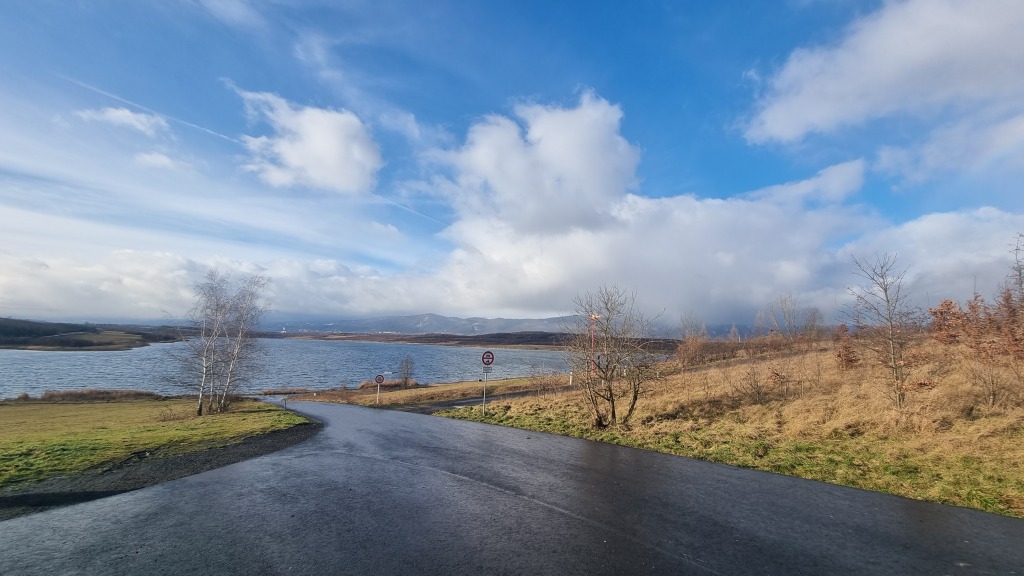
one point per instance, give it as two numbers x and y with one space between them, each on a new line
608 350
1015 280
886 322
791 321
221 352
405 369
694 336
812 322
783 314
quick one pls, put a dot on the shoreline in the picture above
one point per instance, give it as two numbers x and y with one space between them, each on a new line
515 341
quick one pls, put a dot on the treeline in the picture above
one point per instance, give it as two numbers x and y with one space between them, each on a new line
14 332
14 328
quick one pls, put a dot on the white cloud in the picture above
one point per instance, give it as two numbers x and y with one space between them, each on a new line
234 12
547 209
915 57
159 160
119 285
403 123
148 124
832 184
975 143
722 257
540 221
948 255
315 147
563 168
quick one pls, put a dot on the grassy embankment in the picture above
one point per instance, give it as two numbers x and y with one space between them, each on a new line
40 439
817 421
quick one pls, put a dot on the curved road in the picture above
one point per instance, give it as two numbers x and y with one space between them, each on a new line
386 492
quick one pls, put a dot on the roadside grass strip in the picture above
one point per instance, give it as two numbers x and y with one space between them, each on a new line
39 440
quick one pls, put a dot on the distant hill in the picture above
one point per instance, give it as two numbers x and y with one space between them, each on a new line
15 329
16 333
437 324
421 324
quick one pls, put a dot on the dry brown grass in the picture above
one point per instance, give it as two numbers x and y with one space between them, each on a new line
87 395
801 414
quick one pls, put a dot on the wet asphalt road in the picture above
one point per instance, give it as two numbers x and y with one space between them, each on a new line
384 492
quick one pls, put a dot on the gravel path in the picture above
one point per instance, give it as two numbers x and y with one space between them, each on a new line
140 471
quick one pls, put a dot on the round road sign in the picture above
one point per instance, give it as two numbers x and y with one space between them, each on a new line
487 358
379 379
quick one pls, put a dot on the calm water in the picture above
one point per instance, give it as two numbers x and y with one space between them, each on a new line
315 364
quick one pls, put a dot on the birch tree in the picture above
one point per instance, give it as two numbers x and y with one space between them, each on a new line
221 351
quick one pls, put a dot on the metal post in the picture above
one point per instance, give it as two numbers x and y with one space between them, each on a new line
380 380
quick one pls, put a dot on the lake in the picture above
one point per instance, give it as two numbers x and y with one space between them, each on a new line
314 364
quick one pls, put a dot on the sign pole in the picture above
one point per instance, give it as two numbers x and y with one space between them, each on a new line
379 380
487 359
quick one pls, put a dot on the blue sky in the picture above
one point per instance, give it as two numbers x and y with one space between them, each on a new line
499 158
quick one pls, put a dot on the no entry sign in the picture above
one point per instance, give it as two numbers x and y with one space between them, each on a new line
487 358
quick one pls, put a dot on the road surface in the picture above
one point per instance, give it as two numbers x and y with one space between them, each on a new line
387 492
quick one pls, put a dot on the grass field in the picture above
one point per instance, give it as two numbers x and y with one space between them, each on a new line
43 439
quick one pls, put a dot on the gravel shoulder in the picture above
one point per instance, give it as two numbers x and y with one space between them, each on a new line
140 471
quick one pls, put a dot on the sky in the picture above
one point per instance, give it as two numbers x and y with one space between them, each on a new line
501 158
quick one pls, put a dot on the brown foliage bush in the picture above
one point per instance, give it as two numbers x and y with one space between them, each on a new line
988 339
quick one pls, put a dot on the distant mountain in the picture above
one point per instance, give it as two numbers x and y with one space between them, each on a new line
421 324
437 324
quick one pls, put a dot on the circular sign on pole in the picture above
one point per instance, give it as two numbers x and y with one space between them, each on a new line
379 379
487 358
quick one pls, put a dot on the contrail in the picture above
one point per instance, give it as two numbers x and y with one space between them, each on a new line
219 135
410 209
150 110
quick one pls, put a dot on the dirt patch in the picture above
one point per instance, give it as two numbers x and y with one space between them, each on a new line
140 471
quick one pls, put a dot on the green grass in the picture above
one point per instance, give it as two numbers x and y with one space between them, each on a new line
39 440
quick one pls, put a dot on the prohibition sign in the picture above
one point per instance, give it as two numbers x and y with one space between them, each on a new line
487 358
379 379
